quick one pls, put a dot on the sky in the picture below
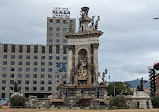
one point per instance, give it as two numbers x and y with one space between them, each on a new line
129 43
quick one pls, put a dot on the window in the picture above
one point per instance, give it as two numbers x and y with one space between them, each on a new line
12 69
27 57
34 88
50 40
50 34
58 29
12 63
42 88
3 87
35 57
4 75
20 56
26 81
57 40
20 69
19 75
3 81
43 49
49 75
35 70
57 57
64 40
34 82
57 22
50 57
35 49
5 56
19 82
50 63
3 95
12 56
13 48
28 69
64 29
34 75
26 75
50 29
11 81
35 63
28 49
64 82
49 69
42 57
51 22
65 58
49 88
64 22
4 62
27 63
57 34
11 75
50 48
57 49
64 49
42 63
4 69
42 76
20 63
26 88
20 48
57 76
42 69
42 82
49 82
5 48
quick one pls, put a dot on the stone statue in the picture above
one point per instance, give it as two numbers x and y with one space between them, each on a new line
96 24
93 20
15 86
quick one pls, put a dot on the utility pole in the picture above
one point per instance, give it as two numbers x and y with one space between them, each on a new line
114 89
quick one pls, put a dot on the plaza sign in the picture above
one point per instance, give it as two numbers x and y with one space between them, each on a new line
61 12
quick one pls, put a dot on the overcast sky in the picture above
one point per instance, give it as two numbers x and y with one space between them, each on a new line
130 41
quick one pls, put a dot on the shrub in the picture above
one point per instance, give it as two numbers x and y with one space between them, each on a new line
17 100
118 101
155 101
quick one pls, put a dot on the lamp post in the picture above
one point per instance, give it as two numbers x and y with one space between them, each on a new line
103 74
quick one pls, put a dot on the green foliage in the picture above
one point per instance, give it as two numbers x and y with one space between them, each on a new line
118 101
119 87
17 100
155 101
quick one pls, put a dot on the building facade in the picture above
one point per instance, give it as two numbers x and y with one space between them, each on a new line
37 69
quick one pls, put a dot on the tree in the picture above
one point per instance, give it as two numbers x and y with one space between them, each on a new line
17 100
119 87
155 101
118 101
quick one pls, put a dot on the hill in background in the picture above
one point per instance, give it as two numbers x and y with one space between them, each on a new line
135 83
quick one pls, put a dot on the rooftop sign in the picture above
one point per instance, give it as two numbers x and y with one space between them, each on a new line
61 12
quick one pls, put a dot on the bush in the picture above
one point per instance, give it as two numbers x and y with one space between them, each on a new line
118 101
17 100
155 101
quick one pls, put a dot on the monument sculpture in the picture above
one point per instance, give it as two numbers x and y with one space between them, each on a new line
83 72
